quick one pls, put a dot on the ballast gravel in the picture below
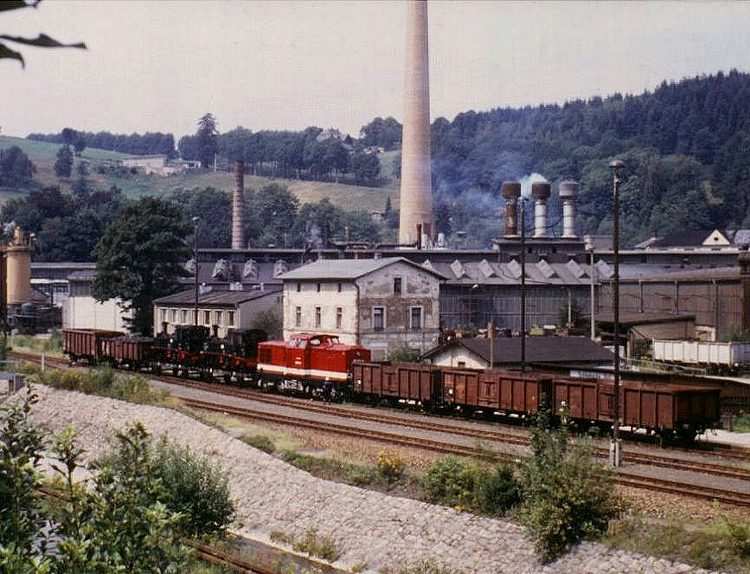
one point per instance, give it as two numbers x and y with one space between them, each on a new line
369 527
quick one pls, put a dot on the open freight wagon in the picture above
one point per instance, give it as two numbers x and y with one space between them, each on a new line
86 344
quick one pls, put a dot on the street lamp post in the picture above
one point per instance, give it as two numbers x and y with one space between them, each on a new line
615 456
196 220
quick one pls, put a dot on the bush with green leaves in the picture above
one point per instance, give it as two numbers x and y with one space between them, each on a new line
453 481
498 490
21 516
567 496
142 501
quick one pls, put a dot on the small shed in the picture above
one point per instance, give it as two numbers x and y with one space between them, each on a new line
476 353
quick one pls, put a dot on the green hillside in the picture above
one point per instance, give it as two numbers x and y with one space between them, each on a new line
43 155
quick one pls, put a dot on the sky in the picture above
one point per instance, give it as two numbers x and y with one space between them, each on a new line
159 65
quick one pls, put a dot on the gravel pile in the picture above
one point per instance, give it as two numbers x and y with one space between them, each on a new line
369 527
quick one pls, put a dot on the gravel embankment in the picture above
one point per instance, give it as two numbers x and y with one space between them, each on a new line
369 527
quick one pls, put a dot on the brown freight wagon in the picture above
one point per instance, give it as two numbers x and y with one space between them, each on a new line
685 409
498 390
86 343
399 381
649 406
131 352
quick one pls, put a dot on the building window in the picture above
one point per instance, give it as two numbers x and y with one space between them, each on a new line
207 318
298 316
339 288
218 318
184 316
397 285
163 315
318 286
173 315
378 318
415 318
318 316
461 364
299 287
230 318
339 317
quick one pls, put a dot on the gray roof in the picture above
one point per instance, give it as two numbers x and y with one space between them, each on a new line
486 272
214 298
86 275
347 268
507 350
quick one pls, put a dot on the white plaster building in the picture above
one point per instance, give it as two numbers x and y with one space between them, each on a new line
81 311
382 304
223 310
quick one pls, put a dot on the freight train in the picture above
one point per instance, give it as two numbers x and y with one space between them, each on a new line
319 365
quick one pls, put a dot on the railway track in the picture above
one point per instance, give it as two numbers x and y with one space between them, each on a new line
649 459
621 477
479 434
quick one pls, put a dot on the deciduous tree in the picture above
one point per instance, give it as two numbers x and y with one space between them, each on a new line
141 257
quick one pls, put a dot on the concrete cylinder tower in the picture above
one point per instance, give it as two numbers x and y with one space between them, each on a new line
540 191
568 192
238 207
18 266
511 192
417 220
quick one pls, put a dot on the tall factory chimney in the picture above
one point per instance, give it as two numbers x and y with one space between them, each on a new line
540 191
511 192
568 192
417 221
238 207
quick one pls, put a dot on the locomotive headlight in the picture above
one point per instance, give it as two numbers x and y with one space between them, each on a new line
450 391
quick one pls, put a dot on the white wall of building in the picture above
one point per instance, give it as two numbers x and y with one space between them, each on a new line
459 357
356 301
85 312
226 317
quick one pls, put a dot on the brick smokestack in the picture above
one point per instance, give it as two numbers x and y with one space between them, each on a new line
511 192
416 185
238 207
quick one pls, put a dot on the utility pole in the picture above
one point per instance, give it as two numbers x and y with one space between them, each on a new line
196 220
522 218
615 455
592 275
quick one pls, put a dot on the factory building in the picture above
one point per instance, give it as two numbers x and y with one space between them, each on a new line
383 304
718 298
219 310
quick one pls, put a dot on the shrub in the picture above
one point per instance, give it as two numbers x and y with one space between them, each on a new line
452 481
404 354
316 545
390 465
422 567
566 495
259 441
498 490
196 488
102 381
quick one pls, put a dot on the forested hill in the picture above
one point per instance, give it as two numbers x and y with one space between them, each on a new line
686 147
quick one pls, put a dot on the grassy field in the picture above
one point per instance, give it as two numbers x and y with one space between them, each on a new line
347 197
